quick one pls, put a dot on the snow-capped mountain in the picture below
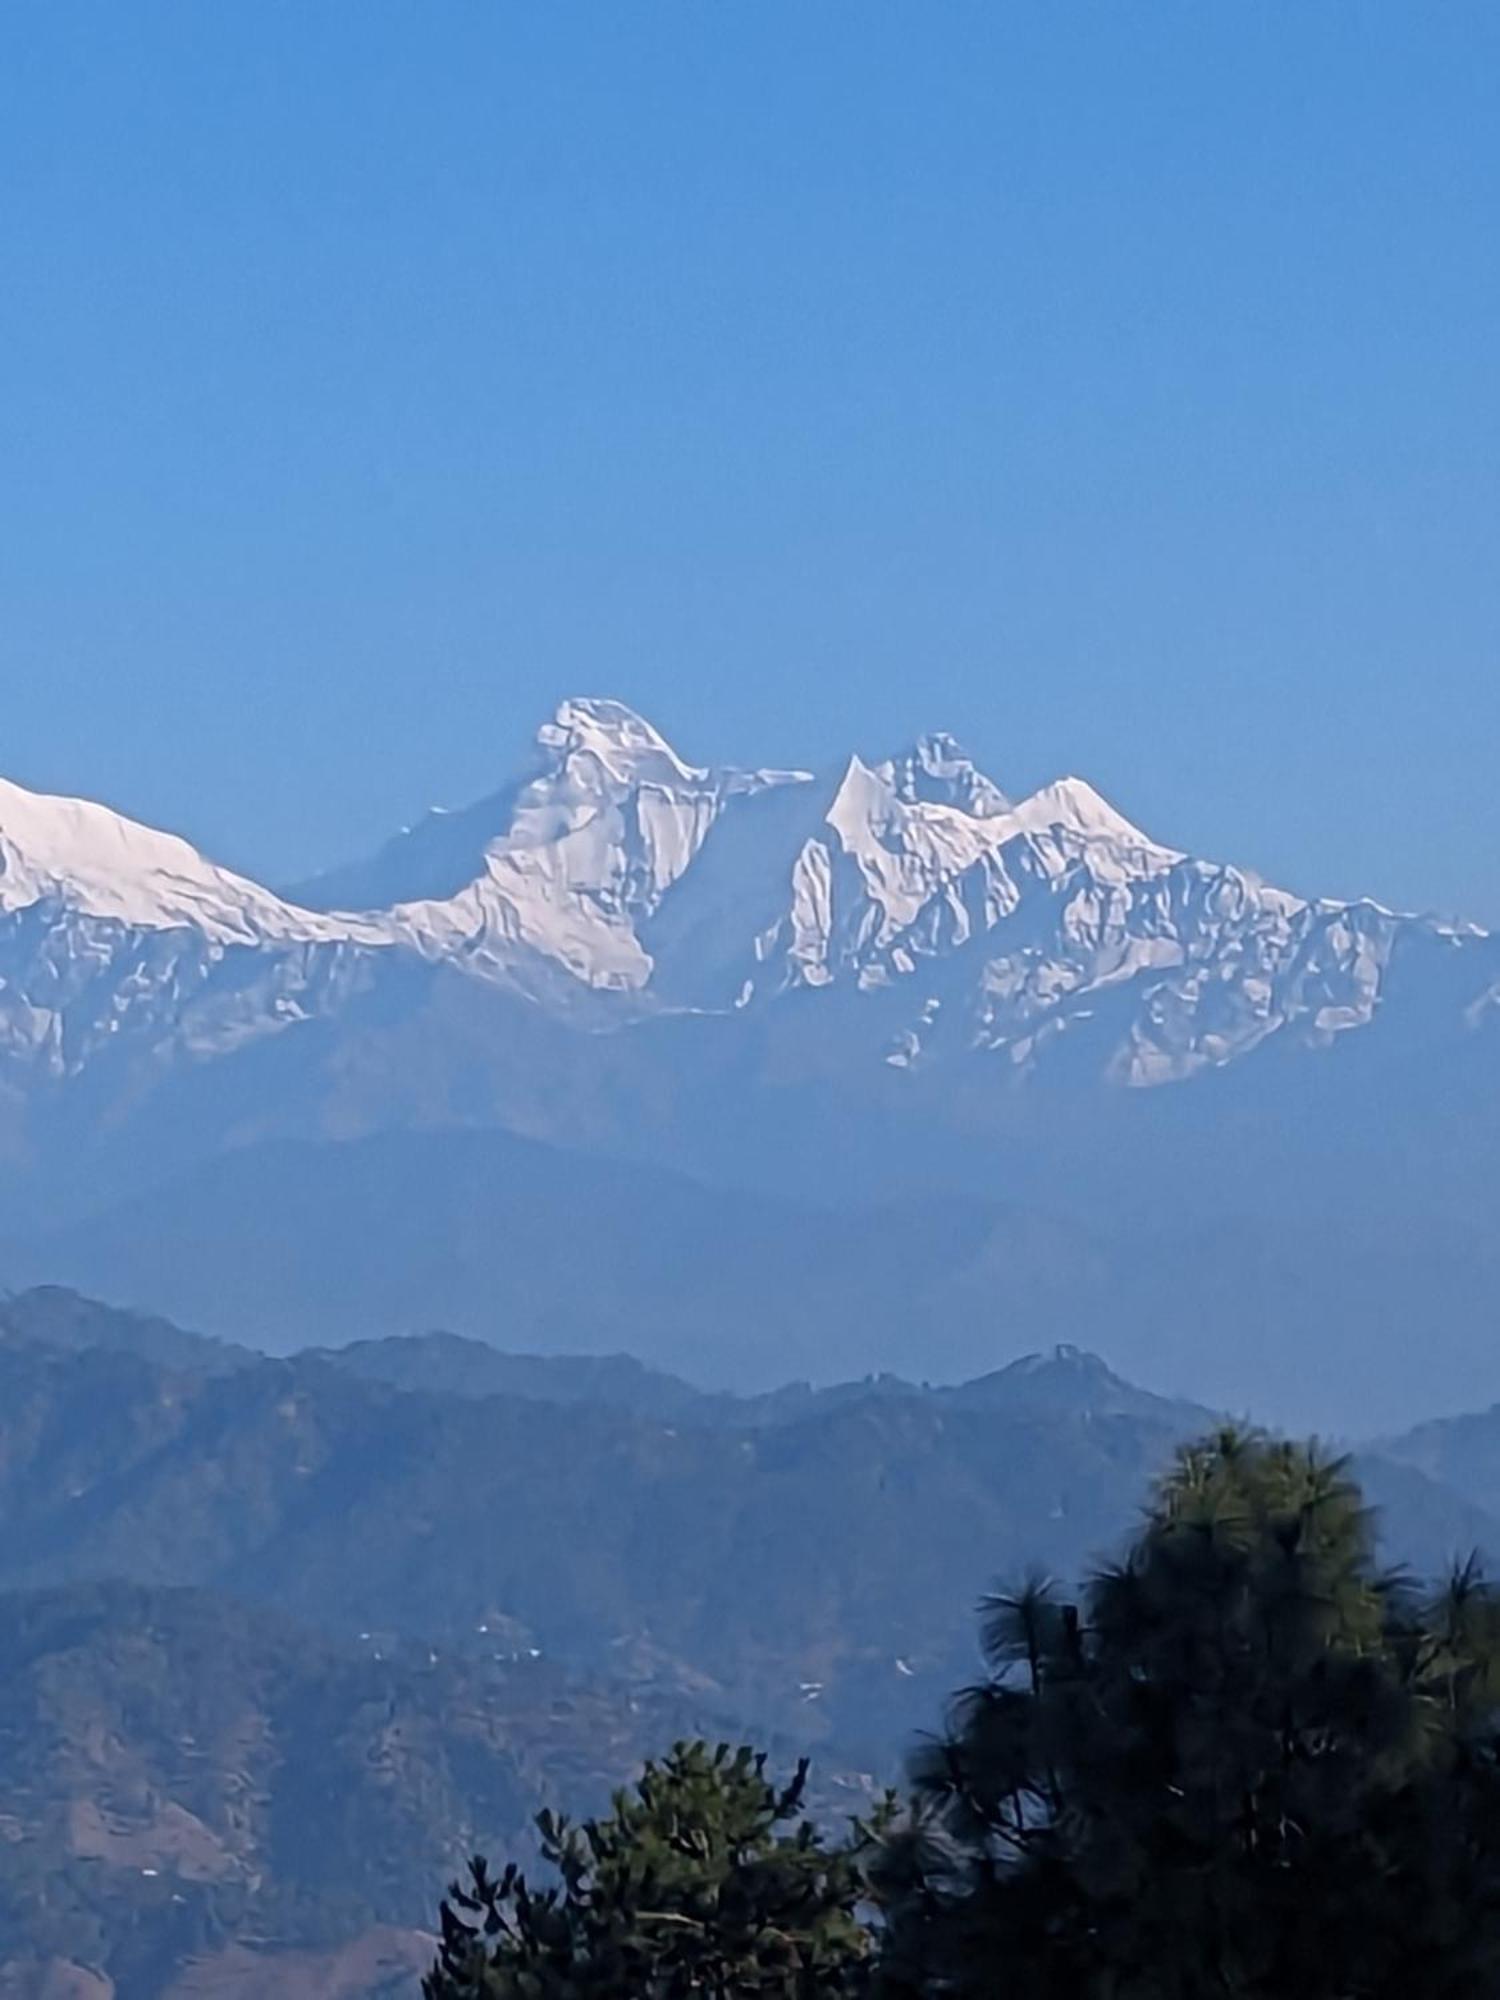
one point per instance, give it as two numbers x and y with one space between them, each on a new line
996 925
1092 1084
82 861
115 935
617 870
590 849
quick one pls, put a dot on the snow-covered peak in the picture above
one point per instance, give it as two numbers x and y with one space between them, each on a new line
608 809
624 744
1074 805
930 815
611 820
897 836
607 773
616 865
936 770
98 863
588 734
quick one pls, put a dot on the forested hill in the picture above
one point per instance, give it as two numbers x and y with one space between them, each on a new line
277 1637
200 1798
812 1569
814 1572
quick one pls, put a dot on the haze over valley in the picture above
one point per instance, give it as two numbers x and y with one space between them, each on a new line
875 1070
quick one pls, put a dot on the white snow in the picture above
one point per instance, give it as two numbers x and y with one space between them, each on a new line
611 821
100 864
1005 922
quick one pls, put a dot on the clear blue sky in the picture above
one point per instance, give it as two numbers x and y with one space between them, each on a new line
1116 386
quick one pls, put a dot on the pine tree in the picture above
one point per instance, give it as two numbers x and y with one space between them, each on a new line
1249 1763
704 1880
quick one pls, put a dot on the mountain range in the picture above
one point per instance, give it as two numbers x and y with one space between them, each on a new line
740 1549
815 1047
283 1639
619 883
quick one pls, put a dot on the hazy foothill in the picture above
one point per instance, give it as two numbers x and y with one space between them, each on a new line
285 1639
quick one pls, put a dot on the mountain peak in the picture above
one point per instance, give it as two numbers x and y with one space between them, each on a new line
628 747
1074 804
1067 1378
100 864
630 751
992 925
938 771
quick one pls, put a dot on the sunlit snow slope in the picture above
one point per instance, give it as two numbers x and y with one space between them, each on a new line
619 882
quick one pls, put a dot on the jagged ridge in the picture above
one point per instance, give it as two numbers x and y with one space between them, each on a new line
621 873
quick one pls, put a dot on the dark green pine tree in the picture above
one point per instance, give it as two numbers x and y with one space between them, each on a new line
703 1880
1248 1763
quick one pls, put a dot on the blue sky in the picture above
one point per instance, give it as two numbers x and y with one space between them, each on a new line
1114 386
